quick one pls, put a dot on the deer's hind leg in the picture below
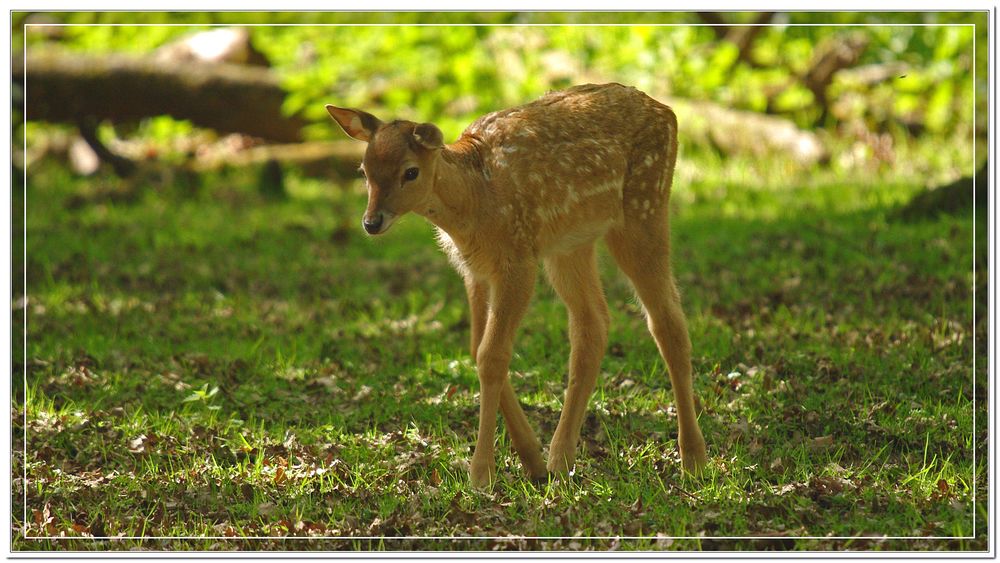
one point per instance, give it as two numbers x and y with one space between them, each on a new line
575 278
641 247
642 250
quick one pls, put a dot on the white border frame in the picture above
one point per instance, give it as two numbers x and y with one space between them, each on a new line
991 143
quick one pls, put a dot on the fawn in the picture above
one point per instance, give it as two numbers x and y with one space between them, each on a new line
543 181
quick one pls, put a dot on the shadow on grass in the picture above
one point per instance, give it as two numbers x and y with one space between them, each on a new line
846 333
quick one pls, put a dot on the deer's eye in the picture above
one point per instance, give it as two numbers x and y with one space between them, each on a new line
410 174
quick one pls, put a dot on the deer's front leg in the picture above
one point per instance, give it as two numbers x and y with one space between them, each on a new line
478 292
522 437
510 294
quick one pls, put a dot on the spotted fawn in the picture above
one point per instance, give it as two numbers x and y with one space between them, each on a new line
543 182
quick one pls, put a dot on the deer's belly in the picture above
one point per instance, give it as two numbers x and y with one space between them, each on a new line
569 239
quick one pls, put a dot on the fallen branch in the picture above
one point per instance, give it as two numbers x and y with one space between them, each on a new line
870 75
736 132
64 87
242 99
318 158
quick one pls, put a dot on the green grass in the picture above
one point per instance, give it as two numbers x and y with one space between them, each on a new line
201 362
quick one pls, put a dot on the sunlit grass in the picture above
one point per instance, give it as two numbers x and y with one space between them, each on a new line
216 365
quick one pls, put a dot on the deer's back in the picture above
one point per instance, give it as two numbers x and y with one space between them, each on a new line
558 167
608 113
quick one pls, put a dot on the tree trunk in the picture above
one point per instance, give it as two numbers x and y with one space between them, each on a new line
833 56
741 36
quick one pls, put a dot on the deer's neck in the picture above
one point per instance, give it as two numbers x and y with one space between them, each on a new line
454 203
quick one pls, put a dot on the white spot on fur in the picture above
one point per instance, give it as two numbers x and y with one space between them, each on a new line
551 213
612 186
547 214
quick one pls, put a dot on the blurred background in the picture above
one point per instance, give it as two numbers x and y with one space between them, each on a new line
889 95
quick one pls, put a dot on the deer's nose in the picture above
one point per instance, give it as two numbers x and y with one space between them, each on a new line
372 224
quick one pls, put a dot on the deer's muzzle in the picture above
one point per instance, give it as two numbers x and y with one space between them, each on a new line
373 224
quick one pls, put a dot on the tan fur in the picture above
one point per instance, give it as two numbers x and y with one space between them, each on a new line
541 183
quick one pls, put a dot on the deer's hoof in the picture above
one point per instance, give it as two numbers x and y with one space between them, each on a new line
693 456
534 464
560 460
482 474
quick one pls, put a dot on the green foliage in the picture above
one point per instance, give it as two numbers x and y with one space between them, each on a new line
453 73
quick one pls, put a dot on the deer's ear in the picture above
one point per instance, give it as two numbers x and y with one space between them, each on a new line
428 136
356 123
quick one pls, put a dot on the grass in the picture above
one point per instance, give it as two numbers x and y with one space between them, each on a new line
206 364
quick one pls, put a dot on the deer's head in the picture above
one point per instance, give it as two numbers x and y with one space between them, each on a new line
399 164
